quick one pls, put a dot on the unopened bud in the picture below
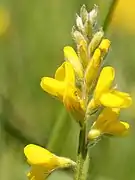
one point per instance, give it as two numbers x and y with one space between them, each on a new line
84 13
78 37
95 41
65 162
104 46
93 134
82 52
79 23
93 15
88 29
93 68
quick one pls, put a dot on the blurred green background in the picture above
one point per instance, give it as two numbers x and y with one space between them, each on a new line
31 46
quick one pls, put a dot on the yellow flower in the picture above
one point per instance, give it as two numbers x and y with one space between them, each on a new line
43 162
106 95
108 123
63 86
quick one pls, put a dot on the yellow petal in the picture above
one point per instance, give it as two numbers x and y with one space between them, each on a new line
106 116
60 73
117 128
116 99
108 123
53 87
105 81
69 74
93 68
37 155
71 56
104 46
37 173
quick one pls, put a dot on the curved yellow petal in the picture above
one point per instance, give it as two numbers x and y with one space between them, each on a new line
117 128
60 73
38 173
71 56
92 69
106 116
116 99
69 74
104 82
53 87
37 155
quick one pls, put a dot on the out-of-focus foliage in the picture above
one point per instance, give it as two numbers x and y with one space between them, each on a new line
31 46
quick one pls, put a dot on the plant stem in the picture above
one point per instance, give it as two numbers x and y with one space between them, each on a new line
82 152
109 16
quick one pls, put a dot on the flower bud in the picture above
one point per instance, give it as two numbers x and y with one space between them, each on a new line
82 52
93 68
93 15
95 41
78 37
104 46
79 23
84 13
93 134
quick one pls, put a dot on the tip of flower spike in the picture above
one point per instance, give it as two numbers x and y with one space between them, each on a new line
93 15
37 155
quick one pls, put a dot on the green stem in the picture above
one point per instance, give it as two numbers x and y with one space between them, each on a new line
109 16
82 152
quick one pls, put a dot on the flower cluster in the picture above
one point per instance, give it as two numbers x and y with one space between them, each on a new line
85 88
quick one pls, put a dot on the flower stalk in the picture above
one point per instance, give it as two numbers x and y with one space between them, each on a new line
82 153
86 89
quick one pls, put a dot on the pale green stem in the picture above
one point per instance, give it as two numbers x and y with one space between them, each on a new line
82 152
109 16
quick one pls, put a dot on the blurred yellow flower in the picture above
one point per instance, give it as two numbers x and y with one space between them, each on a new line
4 20
43 162
63 86
124 16
108 123
106 95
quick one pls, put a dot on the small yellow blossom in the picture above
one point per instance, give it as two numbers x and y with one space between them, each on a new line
43 162
106 95
108 123
63 86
